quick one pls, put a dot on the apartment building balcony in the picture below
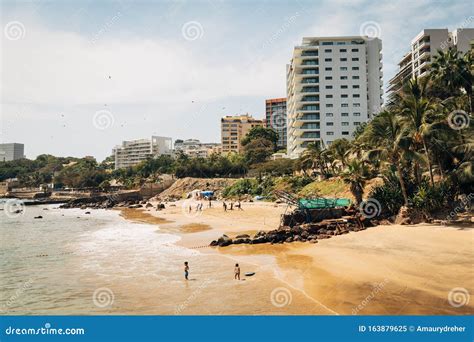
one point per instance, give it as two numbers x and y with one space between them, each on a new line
309 62
309 53
313 80
310 90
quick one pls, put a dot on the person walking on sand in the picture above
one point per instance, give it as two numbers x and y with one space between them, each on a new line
231 205
239 205
237 272
186 270
210 202
225 206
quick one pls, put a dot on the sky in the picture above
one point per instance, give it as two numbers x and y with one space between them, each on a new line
78 77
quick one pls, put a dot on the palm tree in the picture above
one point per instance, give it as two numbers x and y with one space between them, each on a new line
416 109
389 141
313 158
453 72
338 151
355 174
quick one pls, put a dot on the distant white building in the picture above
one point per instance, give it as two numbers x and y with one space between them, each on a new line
195 148
11 151
132 152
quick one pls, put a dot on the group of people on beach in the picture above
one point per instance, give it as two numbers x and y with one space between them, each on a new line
236 271
238 205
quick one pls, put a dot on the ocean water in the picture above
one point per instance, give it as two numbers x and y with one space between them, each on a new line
70 262
73 263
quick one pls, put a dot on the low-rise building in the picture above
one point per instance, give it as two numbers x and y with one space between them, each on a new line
194 148
233 129
133 152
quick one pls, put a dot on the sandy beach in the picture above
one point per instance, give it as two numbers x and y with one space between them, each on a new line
421 269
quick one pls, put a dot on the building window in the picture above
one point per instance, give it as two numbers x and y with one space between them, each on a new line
356 104
355 50
344 105
343 68
329 133
355 68
329 105
328 78
345 123
328 43
344 87
356 86
355 95
344 59
343 50
344 114
345 133
329 123
355 59
328 50
344 96
329 115
355 77
329 87
356 114
329 96
328 59
328 68
343 77
356 123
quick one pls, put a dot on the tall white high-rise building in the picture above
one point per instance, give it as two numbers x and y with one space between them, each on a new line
424 47
334 84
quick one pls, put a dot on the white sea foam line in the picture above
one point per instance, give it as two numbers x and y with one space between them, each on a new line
283 281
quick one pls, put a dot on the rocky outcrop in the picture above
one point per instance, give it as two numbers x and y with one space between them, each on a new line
310 232
408 215
124 200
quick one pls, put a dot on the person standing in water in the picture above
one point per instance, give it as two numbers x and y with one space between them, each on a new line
237 272
186 270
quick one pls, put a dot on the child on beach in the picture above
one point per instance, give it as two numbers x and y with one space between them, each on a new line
237 272
186 270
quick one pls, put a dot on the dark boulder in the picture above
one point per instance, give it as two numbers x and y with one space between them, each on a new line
224 240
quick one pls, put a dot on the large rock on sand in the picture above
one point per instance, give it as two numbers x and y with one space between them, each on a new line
224 240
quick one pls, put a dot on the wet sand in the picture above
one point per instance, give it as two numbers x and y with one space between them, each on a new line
382 270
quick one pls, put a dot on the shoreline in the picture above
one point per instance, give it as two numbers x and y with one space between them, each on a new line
389 264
